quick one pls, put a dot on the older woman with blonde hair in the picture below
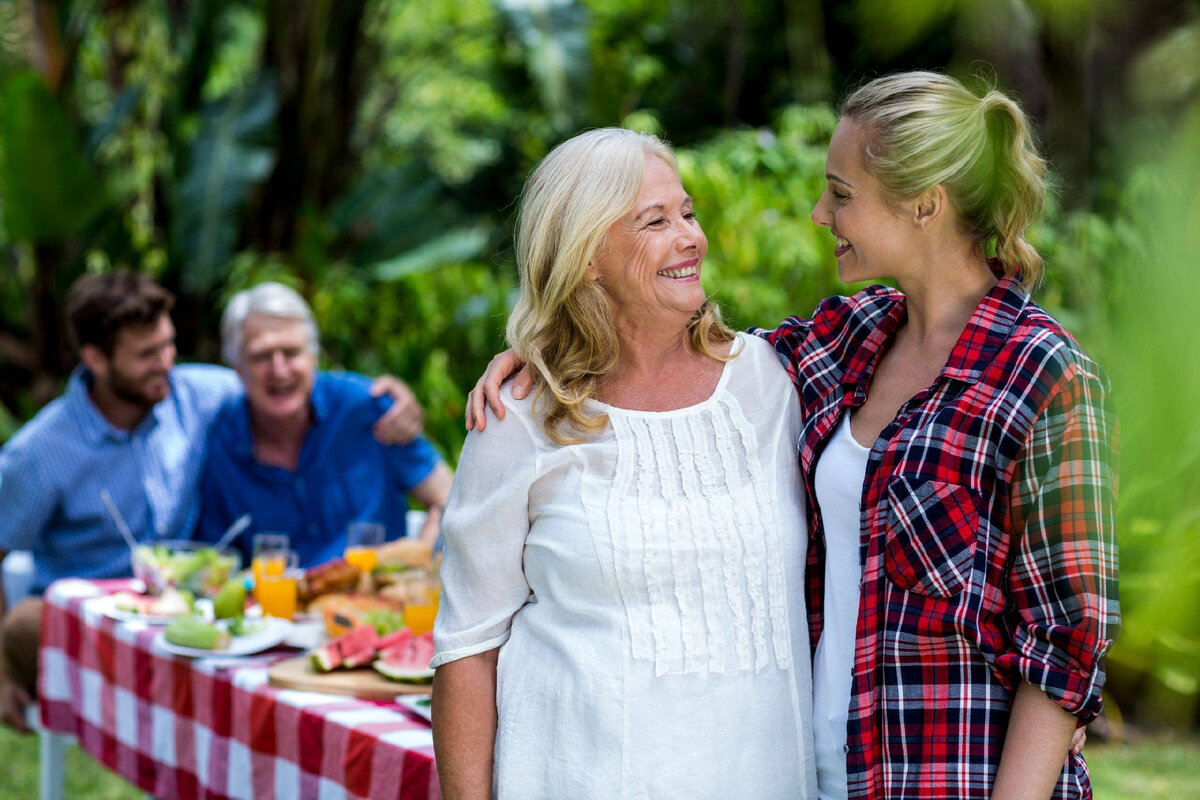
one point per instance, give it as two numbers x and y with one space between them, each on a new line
623 612
957 456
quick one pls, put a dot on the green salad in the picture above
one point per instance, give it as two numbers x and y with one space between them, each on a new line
201 571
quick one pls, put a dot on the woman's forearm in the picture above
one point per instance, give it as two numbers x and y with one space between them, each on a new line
1039 734
464 726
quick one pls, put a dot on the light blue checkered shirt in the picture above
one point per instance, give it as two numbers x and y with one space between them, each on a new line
53 470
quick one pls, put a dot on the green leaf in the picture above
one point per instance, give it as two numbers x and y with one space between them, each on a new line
554 35
461 244
232 155
50 188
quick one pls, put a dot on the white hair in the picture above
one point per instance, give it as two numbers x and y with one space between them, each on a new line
272 299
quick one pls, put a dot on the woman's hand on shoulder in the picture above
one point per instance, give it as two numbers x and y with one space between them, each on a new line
487 389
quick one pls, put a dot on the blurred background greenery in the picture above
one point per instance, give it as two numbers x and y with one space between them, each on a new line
369 152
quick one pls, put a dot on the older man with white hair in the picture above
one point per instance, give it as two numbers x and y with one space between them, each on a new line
295 450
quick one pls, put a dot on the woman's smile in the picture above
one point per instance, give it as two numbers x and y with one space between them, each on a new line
683 271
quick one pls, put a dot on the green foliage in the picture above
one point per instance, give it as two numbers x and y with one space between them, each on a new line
1156 371
438 92
1125 284
754 191
556 55
230 156
49 188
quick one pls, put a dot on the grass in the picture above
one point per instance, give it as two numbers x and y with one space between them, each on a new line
1153 767
85 778
1148 769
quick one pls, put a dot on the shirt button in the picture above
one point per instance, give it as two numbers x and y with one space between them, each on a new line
313 528
300 484
846 749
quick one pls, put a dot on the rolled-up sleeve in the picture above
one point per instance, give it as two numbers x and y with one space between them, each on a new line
1063 578
484 530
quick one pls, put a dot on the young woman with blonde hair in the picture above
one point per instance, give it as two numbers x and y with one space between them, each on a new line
623 603
957 455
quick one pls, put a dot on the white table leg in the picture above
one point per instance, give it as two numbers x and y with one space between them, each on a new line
53 764
53 758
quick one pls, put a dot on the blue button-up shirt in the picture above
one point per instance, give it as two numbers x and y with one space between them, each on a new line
344 475
53 470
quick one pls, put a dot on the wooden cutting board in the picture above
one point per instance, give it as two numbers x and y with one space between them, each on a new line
364 682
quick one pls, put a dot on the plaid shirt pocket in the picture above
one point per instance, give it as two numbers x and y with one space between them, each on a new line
931 534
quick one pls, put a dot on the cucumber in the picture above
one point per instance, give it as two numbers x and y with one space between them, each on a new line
191 632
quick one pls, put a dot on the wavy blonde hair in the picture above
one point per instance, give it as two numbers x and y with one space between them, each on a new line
562 324
924 128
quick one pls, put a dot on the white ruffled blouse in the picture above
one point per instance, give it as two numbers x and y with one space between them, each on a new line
646 591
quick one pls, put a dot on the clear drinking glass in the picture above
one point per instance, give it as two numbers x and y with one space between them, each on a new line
280 576
262 543
362 540
424 595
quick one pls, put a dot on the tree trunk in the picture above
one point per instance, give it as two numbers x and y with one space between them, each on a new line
313 48
735 63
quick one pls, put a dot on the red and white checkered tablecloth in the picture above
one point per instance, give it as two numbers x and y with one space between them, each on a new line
199 728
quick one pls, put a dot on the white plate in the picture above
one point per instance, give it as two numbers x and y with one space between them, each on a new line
271 631
107 605
418 704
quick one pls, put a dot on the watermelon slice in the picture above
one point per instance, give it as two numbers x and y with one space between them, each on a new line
349 650
393 639
407 661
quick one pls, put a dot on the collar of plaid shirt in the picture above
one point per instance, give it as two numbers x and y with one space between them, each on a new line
988 329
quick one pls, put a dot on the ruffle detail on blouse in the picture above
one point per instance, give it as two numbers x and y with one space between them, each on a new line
696 547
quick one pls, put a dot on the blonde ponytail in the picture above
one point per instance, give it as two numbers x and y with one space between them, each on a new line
925 129
1018 194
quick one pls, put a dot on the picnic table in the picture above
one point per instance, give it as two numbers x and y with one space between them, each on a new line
214 728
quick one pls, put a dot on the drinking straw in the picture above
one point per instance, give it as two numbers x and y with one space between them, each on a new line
237 527
106 498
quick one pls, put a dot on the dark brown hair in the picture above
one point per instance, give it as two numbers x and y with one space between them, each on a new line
99 306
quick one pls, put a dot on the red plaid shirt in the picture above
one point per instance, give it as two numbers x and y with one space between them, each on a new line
988 547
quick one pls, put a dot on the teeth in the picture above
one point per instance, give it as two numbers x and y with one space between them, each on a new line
686 272
842 242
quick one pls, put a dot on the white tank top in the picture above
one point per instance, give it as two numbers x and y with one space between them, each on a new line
841 470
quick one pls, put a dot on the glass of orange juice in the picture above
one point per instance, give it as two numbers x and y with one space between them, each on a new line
277 587
422 608
262 543
362 540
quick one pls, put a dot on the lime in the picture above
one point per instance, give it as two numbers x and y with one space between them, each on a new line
230 602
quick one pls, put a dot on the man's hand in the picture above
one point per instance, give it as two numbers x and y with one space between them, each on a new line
13 702
405 420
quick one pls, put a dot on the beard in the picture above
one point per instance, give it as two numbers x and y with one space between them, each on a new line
133 390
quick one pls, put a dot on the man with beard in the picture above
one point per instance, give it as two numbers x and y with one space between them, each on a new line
130 423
